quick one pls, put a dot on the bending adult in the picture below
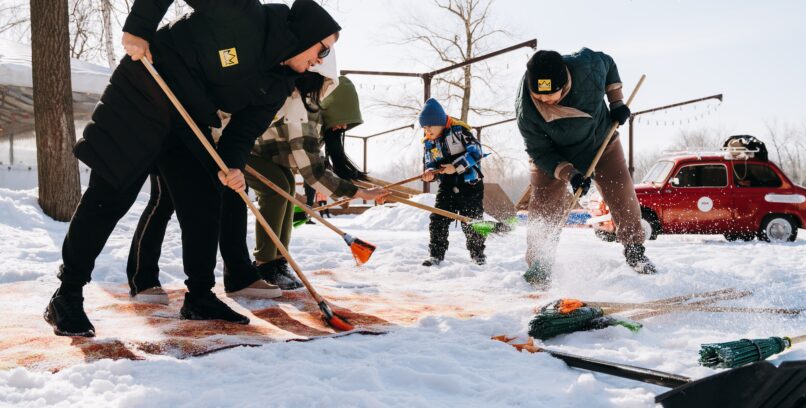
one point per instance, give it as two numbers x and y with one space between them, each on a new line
238 56
564 119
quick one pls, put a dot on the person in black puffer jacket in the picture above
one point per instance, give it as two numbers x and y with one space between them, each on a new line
238 56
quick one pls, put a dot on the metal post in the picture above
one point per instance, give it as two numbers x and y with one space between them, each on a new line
11 148
426 95
632 166
365 159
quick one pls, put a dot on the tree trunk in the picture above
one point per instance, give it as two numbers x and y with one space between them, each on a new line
59 184
106 14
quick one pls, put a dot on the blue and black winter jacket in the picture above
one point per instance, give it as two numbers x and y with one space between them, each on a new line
457 146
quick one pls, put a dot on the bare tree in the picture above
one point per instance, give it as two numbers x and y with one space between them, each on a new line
788 144
459 33
109 47
59 185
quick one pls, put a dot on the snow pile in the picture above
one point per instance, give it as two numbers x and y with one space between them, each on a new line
396 216
15 70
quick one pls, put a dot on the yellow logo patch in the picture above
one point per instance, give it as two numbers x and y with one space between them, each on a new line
543 85
228 57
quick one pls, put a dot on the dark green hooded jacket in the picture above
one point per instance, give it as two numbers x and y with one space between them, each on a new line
571 139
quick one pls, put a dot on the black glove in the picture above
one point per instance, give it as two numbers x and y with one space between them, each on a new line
620 114
578 180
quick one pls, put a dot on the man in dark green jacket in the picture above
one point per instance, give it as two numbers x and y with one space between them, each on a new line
238 56
564 119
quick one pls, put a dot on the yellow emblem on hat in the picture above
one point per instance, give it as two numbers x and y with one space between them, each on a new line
228 57
543 85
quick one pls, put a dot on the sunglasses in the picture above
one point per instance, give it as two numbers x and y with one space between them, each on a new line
324 52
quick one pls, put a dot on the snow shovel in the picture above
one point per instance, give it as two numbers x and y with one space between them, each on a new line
331 317
578 193
741 352
361 249
620 370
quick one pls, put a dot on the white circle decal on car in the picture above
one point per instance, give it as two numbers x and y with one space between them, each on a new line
705 204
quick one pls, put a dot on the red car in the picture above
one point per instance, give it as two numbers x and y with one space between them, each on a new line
734 192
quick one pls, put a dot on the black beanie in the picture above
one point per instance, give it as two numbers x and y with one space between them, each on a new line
545 72
310 23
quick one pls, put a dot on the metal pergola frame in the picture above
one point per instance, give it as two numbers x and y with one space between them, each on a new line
427 77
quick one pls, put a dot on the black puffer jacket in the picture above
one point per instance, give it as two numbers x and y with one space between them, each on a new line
225 55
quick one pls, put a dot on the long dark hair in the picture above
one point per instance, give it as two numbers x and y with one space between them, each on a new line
334 153
309 85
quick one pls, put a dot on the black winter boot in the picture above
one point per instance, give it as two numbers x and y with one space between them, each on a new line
65 312
634 253
206 306
432 261
278 273
480 259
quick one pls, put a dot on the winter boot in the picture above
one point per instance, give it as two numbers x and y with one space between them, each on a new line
432 261
259 289
538 275
206 306
65 312
155 296
634 253
277 273
479 259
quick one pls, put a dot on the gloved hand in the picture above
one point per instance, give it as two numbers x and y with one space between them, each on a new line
620 113
578 180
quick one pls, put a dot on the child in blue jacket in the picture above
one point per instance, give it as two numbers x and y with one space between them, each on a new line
451 155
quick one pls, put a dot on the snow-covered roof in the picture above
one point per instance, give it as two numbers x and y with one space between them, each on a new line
15 69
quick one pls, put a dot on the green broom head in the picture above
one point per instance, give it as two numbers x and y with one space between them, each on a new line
738 353
300 217
557 318
485 228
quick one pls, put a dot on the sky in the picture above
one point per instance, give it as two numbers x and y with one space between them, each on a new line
751 52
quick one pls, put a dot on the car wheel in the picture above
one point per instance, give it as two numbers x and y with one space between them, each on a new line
650 224
778 228
605 236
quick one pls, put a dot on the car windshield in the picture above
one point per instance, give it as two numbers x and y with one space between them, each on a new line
657 174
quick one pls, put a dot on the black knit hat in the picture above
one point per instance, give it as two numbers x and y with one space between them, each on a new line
310 23
545 72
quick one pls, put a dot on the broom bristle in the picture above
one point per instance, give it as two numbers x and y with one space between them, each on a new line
550 322
738 353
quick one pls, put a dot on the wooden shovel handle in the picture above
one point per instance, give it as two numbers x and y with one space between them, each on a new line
292 199
223 167
448 214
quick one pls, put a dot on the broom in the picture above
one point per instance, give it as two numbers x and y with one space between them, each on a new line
361 249
570 315
481 227
330 317
745 351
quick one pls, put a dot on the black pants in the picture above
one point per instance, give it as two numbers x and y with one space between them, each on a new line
142 267
466 200
310 194
324 212
196 196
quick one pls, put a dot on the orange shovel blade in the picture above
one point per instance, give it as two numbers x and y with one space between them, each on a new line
361 250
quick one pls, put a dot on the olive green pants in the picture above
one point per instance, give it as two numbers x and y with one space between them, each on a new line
277 211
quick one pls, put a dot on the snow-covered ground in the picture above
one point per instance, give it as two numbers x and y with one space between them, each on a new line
439 360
